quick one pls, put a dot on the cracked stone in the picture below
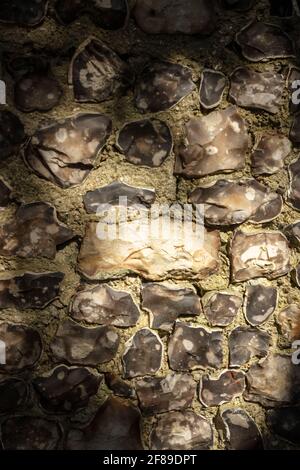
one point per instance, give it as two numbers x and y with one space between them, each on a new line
229 202
161 86
270 153
119 386
23 347
221 308
143 354
181 430
77 344
274 382
180 17
260 42
103 305
216 391
154 257
261 254
160 394
5 194
108 14
165 304
34 232
214 143
212 87
288 320
257 90
245 343
97 73
23 12
64 152
30 291
192 347
14 395
285 423
12 134
37 92
147 142
66 389
30 433
116 426
238 430
293 194
117 193
260 303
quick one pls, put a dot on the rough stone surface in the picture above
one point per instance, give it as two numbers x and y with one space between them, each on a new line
269 154
181 430
238 430
192 347
245 343
64 152
260 303
103 305
212 87
221 308
166 303
116 426
160 394
216 391
77 344
262 254
214 143
143 354
288 320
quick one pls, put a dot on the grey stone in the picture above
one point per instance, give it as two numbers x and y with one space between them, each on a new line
212 87
245 343
238 430
216 391
221 308
260 303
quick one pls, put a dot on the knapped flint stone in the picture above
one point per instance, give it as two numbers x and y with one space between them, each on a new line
260 303
162 85
269 154
165 304
229 202
119 386
108 14
31 290
261 42
296 275
5 194
285 422
66 389
37 92
293 194
215 143
147 142
143 354
180 17
34 232
103 305
12 134
30 433
192 347
292 232
76 344
274 382
137 251
23 347
239 5
160 394
245 343
114 193
238 430
288 320
293 85
260 254
14 395
257 90
221 308
23 12
116 426
97 73
64 152
181 430
212 87
216 391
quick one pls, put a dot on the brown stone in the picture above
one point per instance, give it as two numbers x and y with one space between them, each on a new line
260 303
293 194
119 386
245 343
288 320
221 308
37 92
216 391
270 153
238 430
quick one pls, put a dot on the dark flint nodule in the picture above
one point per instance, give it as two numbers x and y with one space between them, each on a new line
293 193
23 12
216 391
37 92
288 320
292 232
269 154
245 343
12 134
260 303
119 386
147 142
212 87
238 430
221 308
